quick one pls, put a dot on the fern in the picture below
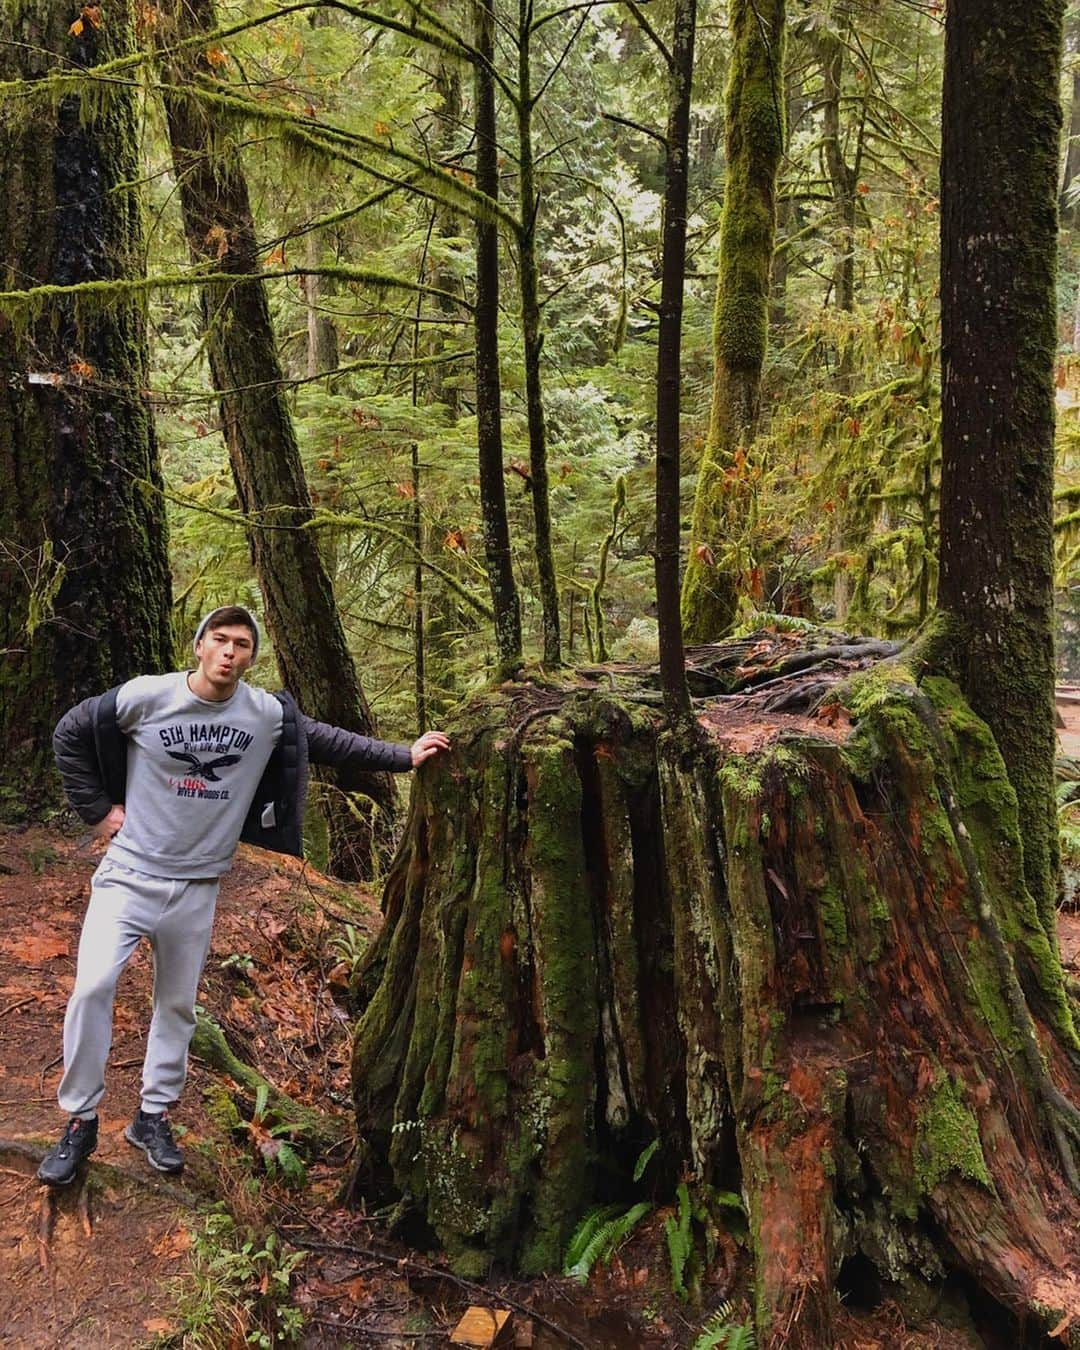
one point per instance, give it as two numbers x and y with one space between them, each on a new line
585 1231
598 1235
720 1333
680 1240
644 1158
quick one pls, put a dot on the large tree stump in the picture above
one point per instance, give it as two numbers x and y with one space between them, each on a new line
799 952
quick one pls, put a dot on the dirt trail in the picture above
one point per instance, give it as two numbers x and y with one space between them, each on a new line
92 1268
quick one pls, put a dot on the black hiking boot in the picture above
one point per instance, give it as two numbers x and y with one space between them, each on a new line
153 1134
60 1164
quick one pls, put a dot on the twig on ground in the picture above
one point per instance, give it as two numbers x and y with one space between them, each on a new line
420 1268
51 1065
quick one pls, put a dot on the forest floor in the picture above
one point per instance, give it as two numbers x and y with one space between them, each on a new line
224 1255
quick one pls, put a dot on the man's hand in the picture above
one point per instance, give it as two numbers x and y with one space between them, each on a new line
430 743
110 824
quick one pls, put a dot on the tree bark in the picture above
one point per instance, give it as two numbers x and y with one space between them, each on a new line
669 366
786 957
998 303
301 614
755 142
78 457
532 334
322 343
504 595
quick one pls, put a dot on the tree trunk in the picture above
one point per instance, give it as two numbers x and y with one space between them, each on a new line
669 366
755 142
322 343
533 337
998 314
786 957
1068 200
504 595
301 613
78 458
843 181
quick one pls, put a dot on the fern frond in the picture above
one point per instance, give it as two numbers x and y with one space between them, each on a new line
720 1333
584 1233
643 1159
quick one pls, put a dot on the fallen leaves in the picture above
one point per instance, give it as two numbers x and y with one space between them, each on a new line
172 1245
36 948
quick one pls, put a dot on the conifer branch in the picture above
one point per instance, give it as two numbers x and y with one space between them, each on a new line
650 32
636 126
317 134
561 58
320 520
35 298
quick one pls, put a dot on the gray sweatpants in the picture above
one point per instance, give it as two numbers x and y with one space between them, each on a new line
125 906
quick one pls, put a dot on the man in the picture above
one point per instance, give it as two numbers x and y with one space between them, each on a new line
174 770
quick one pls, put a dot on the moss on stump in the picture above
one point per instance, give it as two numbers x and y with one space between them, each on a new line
797 951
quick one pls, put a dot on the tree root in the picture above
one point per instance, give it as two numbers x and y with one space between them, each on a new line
312 1128
91 1172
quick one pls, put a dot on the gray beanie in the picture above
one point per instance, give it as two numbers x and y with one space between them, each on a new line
248 618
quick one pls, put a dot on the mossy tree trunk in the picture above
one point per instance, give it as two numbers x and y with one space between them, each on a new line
301 614
998 312
755 143
78 458
669 365
803 958
504 595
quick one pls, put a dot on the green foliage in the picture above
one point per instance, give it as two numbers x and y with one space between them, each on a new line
350 944
692 1233
236 1291
680 1238
721 1333
267 1134
644 1158
1068 800
599 1235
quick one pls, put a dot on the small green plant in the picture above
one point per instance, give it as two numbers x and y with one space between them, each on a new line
266 1133
41 858
350 945
721 1333
599 1235
694 1222
644 1158
604 1227
239 963
236 1292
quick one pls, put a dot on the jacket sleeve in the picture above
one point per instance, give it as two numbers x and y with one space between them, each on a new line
346 749
77 761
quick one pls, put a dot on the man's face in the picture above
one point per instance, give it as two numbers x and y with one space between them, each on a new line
224 654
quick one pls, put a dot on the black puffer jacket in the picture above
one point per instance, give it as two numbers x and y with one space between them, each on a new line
91 754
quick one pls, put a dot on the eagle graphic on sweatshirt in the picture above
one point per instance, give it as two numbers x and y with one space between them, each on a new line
204 768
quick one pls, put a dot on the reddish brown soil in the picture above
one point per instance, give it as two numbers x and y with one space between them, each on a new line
102 1278
98 1268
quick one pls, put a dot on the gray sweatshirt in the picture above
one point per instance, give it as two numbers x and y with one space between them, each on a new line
193 766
